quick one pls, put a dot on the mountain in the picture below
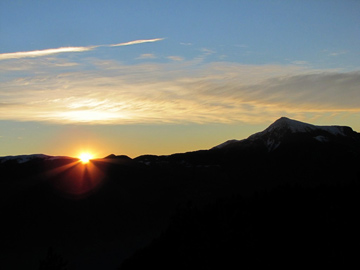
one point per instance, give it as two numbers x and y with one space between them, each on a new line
289 144
98 214
289 151
26 158
285 130
306 182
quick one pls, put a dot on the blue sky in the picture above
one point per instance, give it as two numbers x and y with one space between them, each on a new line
208 69
250 32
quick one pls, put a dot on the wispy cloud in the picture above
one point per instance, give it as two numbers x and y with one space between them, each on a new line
175 58
135 42
147 56
207 51
178 92
334 53
38 53
338 53
300 62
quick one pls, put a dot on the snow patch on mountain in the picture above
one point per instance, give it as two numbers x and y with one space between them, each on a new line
321 138
272 144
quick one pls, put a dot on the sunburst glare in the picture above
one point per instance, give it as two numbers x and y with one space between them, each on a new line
85 157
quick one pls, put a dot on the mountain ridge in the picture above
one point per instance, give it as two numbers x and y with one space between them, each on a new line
271 138
25 158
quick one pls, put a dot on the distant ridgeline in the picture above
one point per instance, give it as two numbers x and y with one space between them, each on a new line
285 196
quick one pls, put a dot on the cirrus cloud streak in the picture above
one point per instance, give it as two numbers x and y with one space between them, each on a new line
38 53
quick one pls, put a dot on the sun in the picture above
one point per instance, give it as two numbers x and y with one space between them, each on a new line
85 157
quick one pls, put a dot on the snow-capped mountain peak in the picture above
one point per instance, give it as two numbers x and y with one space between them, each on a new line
284 128
294 126
286 123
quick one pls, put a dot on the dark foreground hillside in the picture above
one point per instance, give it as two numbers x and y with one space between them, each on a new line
286 228
286 196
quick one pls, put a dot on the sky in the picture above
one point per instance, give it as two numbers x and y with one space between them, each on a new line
160 77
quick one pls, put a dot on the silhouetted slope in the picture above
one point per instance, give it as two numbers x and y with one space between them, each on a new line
289 227
97 215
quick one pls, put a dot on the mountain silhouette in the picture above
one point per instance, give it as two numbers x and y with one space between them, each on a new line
285 130
97 215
